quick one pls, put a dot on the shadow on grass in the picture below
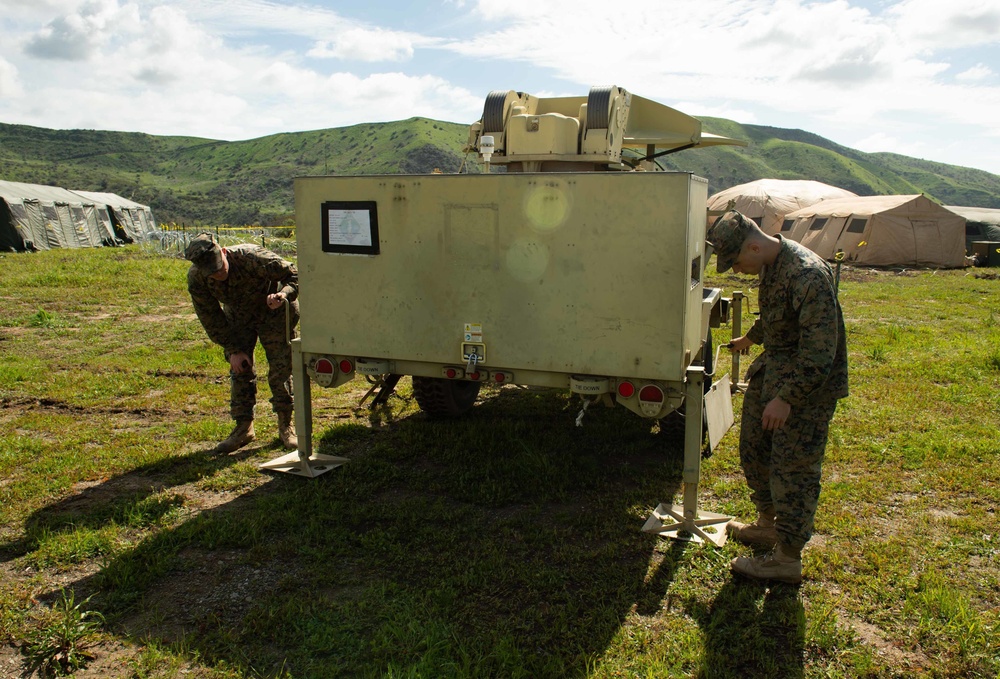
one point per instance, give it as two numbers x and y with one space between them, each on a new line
504 543
132 500
754 630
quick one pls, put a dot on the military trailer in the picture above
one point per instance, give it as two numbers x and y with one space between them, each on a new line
570 261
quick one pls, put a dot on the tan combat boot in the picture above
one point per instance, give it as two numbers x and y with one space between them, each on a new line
242 435
781 565
760 533
286 431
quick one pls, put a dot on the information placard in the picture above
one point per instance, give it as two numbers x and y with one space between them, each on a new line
350 226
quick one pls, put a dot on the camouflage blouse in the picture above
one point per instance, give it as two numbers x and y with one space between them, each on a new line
241 299
801 326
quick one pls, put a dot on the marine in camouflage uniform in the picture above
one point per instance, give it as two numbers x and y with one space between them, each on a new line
239 307
793 389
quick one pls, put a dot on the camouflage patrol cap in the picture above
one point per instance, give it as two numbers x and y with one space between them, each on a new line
204 253
727 236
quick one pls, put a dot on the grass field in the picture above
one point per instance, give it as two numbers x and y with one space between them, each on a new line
503 544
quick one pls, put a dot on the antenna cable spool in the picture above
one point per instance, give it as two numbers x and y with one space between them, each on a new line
599 107
495 109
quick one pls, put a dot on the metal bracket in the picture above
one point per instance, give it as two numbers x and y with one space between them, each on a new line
670 522
303 464
387 385
685 522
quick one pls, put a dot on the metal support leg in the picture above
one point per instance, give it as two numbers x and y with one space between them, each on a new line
737 332
685 522
303 462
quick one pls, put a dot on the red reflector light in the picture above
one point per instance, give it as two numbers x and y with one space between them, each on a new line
324 366
499 377
626 389
451 373
474 376
345 366
651 393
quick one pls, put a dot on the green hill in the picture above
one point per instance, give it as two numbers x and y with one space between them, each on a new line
204 181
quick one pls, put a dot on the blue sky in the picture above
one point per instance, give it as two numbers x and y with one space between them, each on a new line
917 77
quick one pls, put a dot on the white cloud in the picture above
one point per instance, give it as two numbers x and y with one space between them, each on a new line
976 73
10 84
32 9
929 24
77 36
722 110
366 45
880 142
391 96
239 17
172 50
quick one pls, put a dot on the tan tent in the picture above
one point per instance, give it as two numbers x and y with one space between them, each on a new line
881 231
767 201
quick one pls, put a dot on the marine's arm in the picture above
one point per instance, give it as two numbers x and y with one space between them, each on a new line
210 313
815 301
282 273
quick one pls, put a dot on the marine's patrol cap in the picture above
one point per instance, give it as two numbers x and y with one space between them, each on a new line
204 253
727 236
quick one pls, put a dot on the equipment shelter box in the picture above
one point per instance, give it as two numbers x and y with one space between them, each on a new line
544 276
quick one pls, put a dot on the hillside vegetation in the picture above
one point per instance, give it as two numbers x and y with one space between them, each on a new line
204 181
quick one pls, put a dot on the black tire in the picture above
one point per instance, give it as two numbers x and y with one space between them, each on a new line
444 398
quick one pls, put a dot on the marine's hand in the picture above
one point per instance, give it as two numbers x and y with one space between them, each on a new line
740 344
276 300
776 413
240 362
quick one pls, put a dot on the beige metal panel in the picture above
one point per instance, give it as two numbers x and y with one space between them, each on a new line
651 122
572 273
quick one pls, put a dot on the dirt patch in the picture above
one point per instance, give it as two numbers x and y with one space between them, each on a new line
872 636
861 275
216 588
62 406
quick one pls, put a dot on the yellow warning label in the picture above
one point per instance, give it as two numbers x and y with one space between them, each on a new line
473 332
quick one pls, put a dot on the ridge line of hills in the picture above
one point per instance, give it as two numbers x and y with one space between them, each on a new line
198 181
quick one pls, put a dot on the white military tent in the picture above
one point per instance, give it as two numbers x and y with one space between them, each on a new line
981 224
36 217
881 231
767 201
132 221
983 215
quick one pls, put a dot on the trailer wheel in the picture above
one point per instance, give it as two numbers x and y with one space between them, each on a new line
440 397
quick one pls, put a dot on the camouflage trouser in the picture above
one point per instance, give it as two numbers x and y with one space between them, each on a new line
270 330
783 467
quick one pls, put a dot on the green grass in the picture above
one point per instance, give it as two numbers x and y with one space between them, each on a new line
60 641
505 543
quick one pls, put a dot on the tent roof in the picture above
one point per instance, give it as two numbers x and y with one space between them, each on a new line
108 199
793 192
977 214
48 194
859 205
